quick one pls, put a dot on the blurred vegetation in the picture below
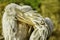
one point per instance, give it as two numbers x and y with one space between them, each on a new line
47 8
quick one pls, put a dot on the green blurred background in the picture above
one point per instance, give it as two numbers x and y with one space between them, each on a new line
47 8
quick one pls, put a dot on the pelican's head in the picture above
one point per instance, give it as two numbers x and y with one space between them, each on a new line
18 11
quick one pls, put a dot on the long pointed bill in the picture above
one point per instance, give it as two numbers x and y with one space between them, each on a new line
20 17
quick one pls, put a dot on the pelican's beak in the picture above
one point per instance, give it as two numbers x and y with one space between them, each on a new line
20 17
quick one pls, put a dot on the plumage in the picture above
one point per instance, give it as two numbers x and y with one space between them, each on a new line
23 23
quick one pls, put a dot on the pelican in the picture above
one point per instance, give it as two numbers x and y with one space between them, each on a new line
23 23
